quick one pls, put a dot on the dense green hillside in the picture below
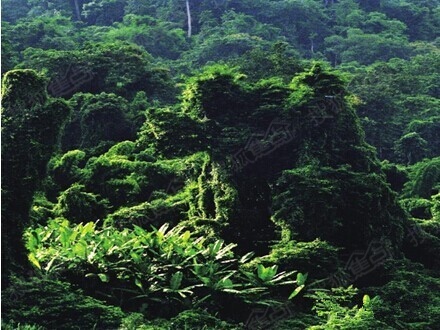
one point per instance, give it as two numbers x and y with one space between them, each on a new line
220 164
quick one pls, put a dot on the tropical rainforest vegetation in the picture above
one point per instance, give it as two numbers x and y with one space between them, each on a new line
220 164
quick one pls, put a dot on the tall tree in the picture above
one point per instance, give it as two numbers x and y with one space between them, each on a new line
31 126
77 10
188 13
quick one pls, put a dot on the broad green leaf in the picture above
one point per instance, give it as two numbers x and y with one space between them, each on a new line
246 257
88 228
49 265
366 300
225 250
73 236
186 236
47 236
226 283
266 273
296 291
138 283
163 228
301 278
136 257
176 280
34 260
80 249
216 247
32 241
104 278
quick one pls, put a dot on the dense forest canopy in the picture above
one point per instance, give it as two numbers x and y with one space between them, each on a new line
220 164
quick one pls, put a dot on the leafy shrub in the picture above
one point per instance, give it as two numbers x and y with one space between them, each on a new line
189 319
198 320
343 207
78 205
424 179
396 175
138 322
162 269
42 209
18 326
67 169
317 258
410 298
419 208
147 214
51 304
336 310
411 148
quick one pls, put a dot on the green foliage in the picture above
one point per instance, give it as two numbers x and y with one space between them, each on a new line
411 148
13 84
428 131
47 32
435 210
31 125
317 82
417 306
51 304
396 175
159 38
101 12
42 209
393 105
79 206
317 258
217 94
209 164
14 10
336 206
281 60
171 133
199 319
97 118
337 312
366 48
417 207
18 326
424 178
97 61
161 268
338 308
137 321
188 319
67 169
421 17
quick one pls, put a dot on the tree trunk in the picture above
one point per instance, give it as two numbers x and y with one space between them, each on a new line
77 10
188 13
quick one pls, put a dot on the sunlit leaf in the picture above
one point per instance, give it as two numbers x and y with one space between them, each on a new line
296 291
34 260
104 277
